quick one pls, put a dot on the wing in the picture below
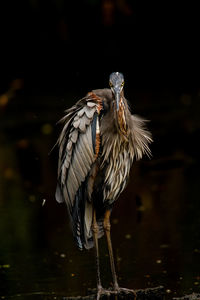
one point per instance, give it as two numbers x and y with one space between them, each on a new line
78 150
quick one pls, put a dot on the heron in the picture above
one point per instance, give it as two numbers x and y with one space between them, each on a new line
99 141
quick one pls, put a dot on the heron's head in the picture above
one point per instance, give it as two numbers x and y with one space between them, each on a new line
116 82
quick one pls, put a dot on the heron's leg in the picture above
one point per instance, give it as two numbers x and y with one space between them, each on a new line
106 225
117 289
95 229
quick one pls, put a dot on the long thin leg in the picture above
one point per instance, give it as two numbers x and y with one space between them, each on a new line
107 226
95 230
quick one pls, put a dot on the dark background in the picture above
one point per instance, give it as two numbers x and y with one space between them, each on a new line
51 54
65 44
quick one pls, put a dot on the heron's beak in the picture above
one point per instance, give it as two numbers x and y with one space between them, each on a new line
117 97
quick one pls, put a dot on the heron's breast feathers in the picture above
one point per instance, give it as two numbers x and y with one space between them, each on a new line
122 119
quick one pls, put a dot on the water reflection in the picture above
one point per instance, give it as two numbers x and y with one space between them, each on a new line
155 225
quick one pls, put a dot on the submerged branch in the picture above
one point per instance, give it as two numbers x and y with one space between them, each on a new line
146 294
193 296
157 293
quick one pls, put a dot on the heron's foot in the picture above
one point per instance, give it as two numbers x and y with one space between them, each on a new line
116 291
124 291
102 292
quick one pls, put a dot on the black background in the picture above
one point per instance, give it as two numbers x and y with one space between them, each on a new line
76 44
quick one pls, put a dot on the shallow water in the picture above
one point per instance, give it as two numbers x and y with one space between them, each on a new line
155 223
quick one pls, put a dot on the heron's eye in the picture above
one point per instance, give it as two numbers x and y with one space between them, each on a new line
110 83
122 84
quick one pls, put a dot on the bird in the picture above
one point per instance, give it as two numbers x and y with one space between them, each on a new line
98 144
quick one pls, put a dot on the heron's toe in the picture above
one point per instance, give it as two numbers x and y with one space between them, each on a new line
125 291
102 292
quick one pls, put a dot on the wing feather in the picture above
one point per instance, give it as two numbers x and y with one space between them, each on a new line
80 162
79 168
76 151
88 153
72 178
77 154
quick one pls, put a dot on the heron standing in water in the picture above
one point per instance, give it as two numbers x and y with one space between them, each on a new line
97 146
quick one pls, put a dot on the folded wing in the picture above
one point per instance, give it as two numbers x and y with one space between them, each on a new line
77 154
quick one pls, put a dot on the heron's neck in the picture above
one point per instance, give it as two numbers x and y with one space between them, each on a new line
121 118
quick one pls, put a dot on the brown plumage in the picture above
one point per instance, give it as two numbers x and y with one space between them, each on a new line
97 146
